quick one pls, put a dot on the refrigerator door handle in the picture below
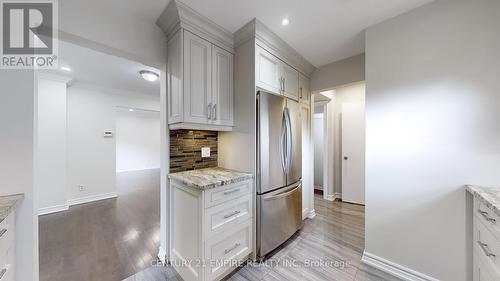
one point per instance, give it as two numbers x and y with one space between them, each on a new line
289 139
282 144
282 194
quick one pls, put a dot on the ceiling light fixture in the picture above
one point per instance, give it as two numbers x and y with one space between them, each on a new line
65 68
131 109
149 75
285 22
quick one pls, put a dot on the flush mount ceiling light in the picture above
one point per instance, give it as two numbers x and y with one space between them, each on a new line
65 68
149 75
285 22
131 109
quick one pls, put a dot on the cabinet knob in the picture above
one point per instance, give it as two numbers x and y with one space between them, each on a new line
346 158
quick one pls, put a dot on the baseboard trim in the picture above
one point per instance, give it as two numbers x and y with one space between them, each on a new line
311 214
162 255
330 197
395 269
92 198
53 209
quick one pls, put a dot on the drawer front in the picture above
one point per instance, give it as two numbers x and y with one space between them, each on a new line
226 193
6 234
224 252
487 216
486 247
226 216
7 265
482 271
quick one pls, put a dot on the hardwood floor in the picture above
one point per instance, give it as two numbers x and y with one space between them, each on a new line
107 240
329 247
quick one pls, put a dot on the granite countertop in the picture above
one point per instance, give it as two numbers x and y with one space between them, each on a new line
209 178
490 196
8 204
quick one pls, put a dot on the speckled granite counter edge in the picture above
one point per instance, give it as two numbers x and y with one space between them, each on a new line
491 201
210 186
181 180
8 204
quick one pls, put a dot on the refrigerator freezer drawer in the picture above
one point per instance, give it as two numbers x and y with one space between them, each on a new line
279 217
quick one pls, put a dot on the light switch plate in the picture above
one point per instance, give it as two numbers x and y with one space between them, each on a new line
205 152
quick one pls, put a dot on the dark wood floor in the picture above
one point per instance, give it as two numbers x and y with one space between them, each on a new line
329 247
107 240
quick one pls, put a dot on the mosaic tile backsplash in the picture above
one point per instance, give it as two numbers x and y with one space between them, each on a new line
185 150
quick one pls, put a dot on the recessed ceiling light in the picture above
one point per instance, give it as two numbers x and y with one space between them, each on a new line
131 109
149 75
65 68
285 22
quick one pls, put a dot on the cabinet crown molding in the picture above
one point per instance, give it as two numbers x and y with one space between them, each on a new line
178 15
274 44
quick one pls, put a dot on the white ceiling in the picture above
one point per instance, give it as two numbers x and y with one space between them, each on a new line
103 70
322 31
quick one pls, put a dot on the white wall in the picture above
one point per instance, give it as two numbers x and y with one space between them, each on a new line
137 140
354 93
318 150
339 73
432 102
91 157
51 144
17 140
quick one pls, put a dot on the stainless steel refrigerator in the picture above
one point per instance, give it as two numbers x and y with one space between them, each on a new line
279 171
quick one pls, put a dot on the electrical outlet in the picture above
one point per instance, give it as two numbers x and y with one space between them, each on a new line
81 187
205 152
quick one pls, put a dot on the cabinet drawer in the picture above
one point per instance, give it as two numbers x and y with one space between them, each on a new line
6 265
6 234
487 216
486 247
223 194
482 270
224 217
224 252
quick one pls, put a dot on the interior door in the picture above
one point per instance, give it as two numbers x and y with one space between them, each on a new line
268 71
271 174
353 153
197 79
222 82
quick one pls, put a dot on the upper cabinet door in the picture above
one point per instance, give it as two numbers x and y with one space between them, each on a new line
290 78
222 82
197 79
267 71
304 89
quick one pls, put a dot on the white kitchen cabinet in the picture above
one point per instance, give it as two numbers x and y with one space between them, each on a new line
199 83
275 76
222 82
211 230
197 79
268 73
290 82
8 236
304 89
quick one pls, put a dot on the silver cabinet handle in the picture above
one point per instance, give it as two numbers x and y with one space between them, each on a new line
227 251
284 88
486 250
2 273
231 191
209 111
486 216
232 214
215 111
300 92
3 231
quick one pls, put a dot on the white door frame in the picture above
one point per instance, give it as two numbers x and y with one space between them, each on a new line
328 150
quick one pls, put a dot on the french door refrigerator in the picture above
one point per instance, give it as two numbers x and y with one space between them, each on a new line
279 171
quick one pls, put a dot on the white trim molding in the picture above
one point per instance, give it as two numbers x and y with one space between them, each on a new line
162 255
311 214
395 269
53 209
92 198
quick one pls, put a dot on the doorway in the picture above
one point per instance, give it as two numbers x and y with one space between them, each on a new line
339 143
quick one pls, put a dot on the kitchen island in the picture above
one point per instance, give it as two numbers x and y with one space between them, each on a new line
212 226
